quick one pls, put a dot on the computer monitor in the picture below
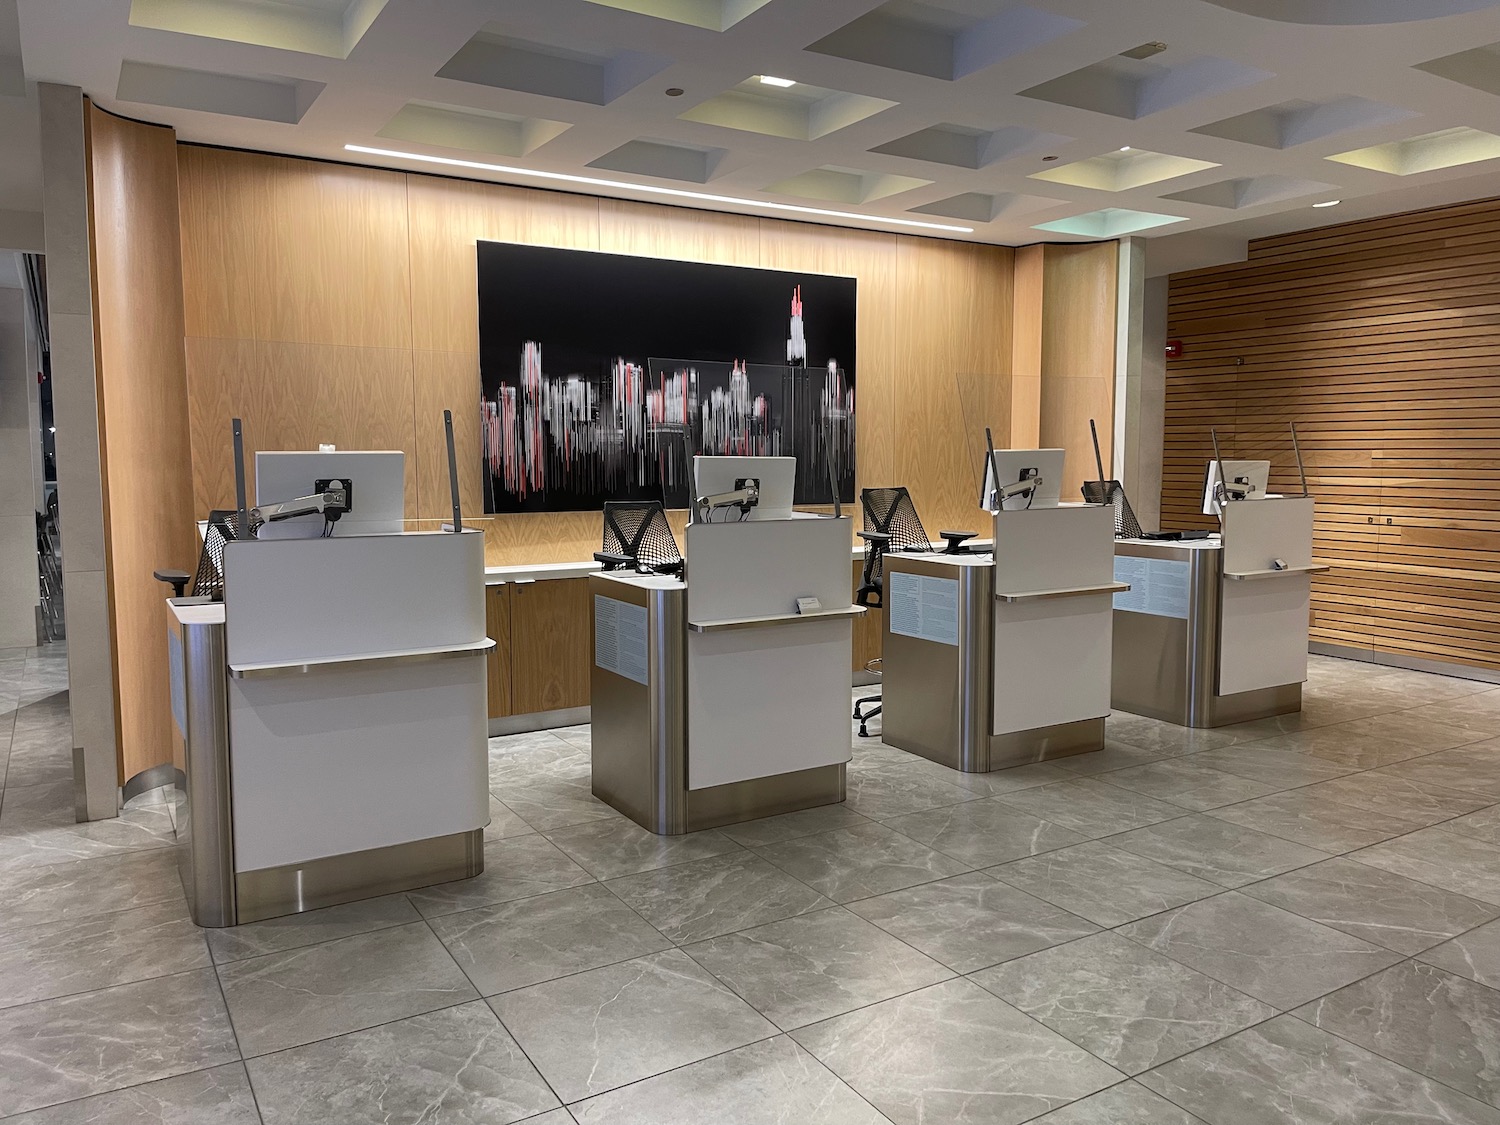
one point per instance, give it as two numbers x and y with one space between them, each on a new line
776 477
1254 476
1010 466
377 492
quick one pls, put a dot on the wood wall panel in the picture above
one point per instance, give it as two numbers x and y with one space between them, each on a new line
498 663
1079 293
1379 340
145 447
552 650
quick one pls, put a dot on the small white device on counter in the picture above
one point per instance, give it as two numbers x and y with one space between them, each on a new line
808 605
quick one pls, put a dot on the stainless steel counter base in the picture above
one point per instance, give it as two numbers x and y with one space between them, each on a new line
639 738
273 891
938 698
1167 667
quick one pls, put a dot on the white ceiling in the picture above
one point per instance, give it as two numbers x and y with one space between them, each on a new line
918 111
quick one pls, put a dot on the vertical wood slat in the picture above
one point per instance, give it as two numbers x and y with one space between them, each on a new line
1378 338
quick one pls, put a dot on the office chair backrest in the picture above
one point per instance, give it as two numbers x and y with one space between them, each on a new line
891 512
1112 492
639 530
209 581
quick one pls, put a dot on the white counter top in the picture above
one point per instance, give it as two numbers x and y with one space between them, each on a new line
536 572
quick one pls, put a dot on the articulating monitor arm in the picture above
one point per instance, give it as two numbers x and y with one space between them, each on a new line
742 498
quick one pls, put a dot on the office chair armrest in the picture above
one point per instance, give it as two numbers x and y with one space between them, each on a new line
953 539
870 595
874 537
177 579
612 561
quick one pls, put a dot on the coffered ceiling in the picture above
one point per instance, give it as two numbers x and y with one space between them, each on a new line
1194 123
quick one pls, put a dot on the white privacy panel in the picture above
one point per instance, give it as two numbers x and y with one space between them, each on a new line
1053 548
760 568
1263 618
1052 662
767 700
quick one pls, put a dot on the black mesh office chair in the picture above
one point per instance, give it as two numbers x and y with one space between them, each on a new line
1112 492
208 582
891 524
637 536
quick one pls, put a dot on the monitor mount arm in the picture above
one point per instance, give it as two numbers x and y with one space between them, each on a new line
742 498
331 503
1018 488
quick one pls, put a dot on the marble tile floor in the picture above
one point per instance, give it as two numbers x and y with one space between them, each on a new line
1295 920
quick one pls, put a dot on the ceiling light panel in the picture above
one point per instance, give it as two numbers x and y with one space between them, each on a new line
714 15
236 95
980 207
1447 148
1129 88
964 147
1112 222
662 160
331 28
446 126
845 185
492 59
1251 191
799 113
1293 123
942 42
654 189
1122 171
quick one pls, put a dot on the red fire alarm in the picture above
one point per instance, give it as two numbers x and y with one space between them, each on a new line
1174 349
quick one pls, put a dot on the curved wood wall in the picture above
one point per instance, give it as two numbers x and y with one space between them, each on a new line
146 456
1379 339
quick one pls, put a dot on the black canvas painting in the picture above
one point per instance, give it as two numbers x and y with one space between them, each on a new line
602 375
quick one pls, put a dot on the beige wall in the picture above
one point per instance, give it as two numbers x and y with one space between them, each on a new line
18 573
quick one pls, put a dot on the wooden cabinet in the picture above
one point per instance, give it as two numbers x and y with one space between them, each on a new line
552 645
497 628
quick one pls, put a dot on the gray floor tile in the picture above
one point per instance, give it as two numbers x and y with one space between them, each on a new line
537 939
1379 906
1482 825
1125 1104
815 966
1133 1008
1438 1024
1414 727
789 826
1100 882
888 791
1473 770
503 822
1167 738
75 888
1442 858
49 805
286 999
971 921
594 1031
133 830
1189 783
536 756
515 868
1381 791
292 931
1012 778
220 1096
1090 807
458 1066
694 901
852 863
608 849
1278 768
82 954
1272 955
1475 955
773 1082
954 1053
1114 756
62 1050
1316 820
549 803
1477 713
1216 850
1288 1071
983 833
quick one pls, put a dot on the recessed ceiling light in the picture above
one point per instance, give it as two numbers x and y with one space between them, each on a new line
1124 148
771 80
674 91
653 189
1329 203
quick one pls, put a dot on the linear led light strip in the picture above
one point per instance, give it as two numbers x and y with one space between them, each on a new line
676 193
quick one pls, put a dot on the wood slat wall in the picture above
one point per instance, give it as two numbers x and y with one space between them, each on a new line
1379 340
328 303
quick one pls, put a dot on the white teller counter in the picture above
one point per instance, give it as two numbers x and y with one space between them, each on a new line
333 712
